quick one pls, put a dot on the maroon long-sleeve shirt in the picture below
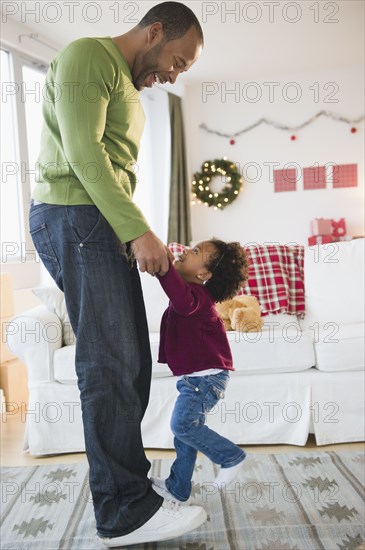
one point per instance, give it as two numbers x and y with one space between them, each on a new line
192 335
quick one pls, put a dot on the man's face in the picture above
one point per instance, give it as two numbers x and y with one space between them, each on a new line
164 61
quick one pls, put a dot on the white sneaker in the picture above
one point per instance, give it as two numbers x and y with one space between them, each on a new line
159 485
169 522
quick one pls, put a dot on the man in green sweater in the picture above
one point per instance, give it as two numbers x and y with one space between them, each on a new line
90 234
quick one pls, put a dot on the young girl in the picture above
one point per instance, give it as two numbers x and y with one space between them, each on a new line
193 342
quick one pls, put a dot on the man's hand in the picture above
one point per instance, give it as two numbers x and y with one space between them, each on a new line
151 254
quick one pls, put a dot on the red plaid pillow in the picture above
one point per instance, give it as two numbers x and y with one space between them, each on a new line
276 278
176 248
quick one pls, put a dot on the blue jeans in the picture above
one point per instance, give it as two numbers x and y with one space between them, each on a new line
113 360
197 396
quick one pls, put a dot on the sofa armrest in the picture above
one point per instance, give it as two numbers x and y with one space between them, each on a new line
34 336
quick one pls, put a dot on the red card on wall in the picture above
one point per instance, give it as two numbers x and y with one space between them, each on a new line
314 177
344 175
285 180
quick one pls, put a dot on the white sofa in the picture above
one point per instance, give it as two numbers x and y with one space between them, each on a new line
292 378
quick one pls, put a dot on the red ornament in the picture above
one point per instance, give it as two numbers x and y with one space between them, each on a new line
232 141
293 138
353 130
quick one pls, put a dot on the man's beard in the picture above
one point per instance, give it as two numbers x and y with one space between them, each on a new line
147 64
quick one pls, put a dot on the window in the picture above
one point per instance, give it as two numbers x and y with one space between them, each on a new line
11 216
22 81
33 79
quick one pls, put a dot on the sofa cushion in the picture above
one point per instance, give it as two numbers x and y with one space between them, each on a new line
64 365
339 347
280 346
54 300
158 369
64 362
155 301
334 283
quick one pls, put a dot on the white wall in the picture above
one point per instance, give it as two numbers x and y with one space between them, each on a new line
13 34
259 214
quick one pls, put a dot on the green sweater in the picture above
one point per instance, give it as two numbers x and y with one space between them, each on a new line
93 122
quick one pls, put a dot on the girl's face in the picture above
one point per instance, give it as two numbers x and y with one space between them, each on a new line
191 264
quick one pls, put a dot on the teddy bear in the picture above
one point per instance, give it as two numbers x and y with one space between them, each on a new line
242 313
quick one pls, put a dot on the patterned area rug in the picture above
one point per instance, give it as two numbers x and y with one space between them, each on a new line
299 501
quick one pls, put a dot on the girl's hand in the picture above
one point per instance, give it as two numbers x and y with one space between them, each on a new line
151 254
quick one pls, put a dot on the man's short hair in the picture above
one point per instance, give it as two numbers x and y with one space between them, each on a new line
176 19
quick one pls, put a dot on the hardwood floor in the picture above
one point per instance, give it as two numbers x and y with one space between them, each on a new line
12 434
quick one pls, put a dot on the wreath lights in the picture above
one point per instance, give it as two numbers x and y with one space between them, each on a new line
201 184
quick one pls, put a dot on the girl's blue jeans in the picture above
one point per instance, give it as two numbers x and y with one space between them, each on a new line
197 396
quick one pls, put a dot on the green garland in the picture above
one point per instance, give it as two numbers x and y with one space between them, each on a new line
228 171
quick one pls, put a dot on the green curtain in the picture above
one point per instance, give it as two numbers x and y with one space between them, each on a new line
179 229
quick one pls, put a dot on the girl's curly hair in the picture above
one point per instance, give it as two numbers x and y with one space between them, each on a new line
229 268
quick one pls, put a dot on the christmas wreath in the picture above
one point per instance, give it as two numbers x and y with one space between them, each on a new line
201 184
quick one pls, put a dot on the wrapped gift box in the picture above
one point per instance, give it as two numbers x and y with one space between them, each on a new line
13 381
6 294
338 228
320 239
321 226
